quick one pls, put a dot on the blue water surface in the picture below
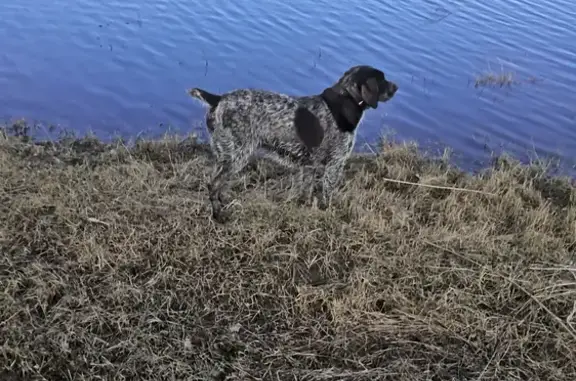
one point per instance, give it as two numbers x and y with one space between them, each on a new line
122 67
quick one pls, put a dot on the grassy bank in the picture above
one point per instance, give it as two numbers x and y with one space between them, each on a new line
111 269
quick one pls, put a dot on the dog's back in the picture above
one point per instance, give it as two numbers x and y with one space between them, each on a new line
260 117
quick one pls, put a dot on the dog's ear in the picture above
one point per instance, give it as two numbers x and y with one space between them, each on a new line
308 128
370 92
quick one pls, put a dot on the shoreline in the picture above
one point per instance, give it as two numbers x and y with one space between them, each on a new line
112 268
557 164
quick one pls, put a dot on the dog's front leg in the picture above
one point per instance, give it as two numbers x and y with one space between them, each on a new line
330 181
308 179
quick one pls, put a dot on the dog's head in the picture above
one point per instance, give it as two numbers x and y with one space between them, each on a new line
359 87
367 85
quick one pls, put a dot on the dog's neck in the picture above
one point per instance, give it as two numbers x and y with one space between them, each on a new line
346 110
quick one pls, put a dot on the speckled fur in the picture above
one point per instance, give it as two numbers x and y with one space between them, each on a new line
316 131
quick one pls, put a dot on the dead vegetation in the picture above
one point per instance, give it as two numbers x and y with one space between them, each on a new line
112 270
495 79
501 79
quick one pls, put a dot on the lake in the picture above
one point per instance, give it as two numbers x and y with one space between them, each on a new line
122 67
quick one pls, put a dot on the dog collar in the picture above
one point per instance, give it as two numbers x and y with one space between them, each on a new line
344 108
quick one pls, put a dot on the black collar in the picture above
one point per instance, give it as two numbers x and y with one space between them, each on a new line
344 108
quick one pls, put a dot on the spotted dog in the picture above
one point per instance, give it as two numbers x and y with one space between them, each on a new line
295 131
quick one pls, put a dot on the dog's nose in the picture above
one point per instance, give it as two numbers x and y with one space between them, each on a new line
393 87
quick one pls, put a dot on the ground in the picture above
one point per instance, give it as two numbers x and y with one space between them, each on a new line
111 269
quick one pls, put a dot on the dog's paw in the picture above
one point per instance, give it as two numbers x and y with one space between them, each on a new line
222 211
221 216
302 200
323 203
218 213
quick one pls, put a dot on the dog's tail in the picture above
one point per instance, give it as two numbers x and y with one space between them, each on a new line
211 99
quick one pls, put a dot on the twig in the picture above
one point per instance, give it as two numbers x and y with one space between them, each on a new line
553 268
96 221
552 314
572 314
438 186
486 367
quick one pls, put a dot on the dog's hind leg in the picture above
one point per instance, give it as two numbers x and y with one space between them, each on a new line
231 158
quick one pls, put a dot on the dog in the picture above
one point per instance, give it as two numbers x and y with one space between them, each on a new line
294 131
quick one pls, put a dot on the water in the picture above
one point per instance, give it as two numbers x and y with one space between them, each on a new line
122 67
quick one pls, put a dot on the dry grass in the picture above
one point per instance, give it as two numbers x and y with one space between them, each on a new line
502 79
495 79
112 270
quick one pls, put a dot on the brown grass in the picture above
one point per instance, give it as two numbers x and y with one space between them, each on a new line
495 79
502 79
111 269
